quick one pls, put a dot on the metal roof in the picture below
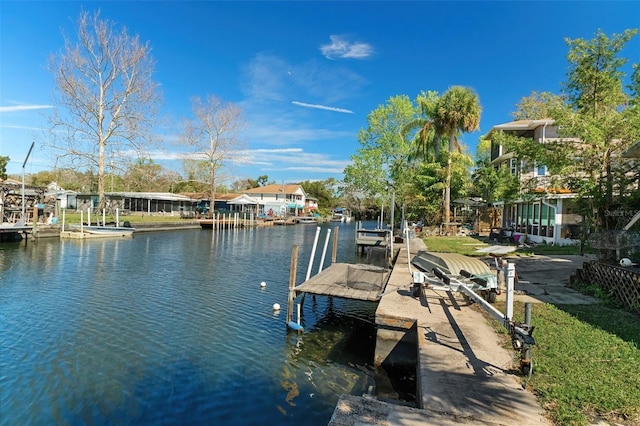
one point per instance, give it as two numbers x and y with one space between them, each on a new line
164 196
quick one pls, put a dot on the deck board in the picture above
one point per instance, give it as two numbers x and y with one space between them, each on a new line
349 281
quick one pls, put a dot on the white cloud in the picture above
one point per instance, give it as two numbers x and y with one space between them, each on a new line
340 47
269 80
15 108
324 107
264 78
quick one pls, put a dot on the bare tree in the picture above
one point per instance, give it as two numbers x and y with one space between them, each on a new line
212 135
104 94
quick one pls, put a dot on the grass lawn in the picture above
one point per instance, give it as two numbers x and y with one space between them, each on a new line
74 218
462 245
586 362
469 245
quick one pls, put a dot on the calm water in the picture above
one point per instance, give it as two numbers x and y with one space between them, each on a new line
174 328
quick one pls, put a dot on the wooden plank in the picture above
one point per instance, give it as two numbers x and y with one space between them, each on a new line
360 282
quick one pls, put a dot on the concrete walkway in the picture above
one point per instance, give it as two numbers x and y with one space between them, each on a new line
464 374
545 279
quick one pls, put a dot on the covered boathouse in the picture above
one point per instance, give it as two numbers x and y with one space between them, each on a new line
135 202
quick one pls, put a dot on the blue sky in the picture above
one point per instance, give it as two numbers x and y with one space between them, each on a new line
306 74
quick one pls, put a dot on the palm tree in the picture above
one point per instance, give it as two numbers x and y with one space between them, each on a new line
426 139
457 110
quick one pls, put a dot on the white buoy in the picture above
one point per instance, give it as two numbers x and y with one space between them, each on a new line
263 284
276 307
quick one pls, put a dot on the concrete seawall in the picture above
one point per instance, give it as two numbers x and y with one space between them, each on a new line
165 226
463 374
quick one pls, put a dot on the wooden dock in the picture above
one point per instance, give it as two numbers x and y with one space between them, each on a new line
349 281
14 232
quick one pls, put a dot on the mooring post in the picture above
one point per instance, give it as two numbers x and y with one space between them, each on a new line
509 274
292 282
527 314
334 249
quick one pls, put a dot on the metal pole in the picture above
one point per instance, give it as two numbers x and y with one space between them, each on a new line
393 208
23 166
313 253
510 273
324 251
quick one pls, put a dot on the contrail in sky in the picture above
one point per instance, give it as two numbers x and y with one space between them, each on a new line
23 107
327 108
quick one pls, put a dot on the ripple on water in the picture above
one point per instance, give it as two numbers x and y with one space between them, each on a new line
173 328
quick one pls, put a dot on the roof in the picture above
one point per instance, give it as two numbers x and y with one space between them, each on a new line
165 196
520 125
633 151
206 195
243 199
276 189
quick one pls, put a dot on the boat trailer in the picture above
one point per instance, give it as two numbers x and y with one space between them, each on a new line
471 286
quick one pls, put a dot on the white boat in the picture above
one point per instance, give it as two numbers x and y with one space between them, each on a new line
342 215
306 219
106 230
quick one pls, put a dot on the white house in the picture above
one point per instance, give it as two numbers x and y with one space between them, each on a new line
281 200
547 214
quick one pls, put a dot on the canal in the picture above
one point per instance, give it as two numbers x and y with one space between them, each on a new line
174 328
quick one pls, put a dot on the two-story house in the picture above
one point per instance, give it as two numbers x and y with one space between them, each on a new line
281 200
545 213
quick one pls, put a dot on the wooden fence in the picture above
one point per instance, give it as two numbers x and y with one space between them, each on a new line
621 282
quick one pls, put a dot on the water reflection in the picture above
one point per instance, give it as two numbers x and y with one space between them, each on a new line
174 328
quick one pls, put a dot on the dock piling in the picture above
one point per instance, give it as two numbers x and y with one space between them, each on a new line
334 252
292 282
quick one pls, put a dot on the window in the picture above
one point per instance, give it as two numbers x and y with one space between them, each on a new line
513 165
540 171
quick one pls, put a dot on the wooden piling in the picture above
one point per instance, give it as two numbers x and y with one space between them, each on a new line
334 249
292 282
